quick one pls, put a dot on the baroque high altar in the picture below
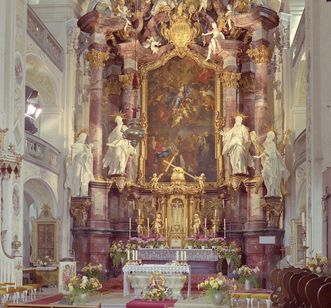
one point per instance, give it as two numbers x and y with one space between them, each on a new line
194 76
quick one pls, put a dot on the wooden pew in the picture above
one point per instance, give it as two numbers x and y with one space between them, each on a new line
324 296
8 305
301 289
295 301
311 290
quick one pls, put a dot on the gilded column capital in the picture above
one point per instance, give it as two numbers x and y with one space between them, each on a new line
230 79
97 58
261 54
126 81
247 84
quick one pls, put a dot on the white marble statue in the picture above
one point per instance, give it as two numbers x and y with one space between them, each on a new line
119 149
236 143
274 168
80 167
99 5
214 45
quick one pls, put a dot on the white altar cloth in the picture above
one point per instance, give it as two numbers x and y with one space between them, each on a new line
172 268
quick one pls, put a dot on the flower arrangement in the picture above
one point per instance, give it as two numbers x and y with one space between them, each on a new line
117 252
161 242
318 264
190 241
202 242
156 292
216 241
92 270
82 285
246 273
44 261
134 243
150 242
230 252
213 284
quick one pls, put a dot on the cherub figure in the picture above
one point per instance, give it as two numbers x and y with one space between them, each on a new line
214 45
201 181
228 16
203 5
196 224
155 179
121 10
152 44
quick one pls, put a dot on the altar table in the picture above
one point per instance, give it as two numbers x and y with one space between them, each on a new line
172 268
202 261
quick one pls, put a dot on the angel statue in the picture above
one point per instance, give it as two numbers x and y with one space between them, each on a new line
214 45
274 168
236 143
79 167
121 10
119 149
99 5
196 224
153 44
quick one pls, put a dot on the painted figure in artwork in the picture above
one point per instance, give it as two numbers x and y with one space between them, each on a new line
80 167
274 168
236 143
119 149
215 44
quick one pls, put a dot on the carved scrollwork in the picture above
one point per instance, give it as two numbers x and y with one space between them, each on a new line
79 209
261 54
274 207
97 58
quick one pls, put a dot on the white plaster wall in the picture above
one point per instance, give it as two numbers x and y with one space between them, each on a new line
318 44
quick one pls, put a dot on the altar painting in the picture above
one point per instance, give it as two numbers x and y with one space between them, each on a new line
180 114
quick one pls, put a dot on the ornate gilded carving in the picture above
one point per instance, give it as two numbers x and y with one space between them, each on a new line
230 79
120 182
126 81
274 207
247 84
181 32
79 211
97 58
261 54
237 181
114 86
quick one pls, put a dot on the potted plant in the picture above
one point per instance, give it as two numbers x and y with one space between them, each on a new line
246 275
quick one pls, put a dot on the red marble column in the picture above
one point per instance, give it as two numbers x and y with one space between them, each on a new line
247 92
97 56
261 56
129 95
